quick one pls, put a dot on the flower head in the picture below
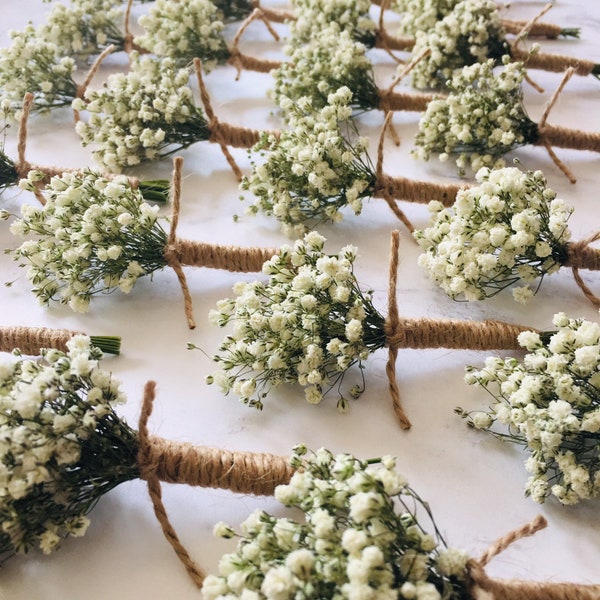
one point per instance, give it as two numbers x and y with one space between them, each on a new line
481 119
358 539
143 115
550 404
308 324
61 446
510 227
314 168
421 15
93 235
184 30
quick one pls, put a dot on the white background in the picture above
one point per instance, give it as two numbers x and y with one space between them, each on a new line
473 483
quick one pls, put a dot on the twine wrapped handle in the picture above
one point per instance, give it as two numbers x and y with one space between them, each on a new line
481 586
30 340
161 460
436 333
580 255
179 253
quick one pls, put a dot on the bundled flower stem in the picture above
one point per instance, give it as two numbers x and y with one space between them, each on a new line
95 235
318 166
311 322
363 534
511 227
31 340
150 113
12 172
550 405
51 498
483 118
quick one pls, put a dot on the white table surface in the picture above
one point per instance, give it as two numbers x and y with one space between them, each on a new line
473 483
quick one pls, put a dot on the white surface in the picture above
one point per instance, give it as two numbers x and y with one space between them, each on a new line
473 483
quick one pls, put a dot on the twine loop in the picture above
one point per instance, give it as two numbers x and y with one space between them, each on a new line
582 255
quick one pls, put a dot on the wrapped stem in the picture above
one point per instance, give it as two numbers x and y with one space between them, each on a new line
30 340
563 137
413 190
555 63
396 101
548 30
217 256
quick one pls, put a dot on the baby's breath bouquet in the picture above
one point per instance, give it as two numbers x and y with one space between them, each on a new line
509 228
483 118
183 30
331 60
473 32
96 234
62 446
319 165
550 404
364 535
31 64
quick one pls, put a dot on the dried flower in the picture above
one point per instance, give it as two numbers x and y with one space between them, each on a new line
550 404
308 324
510 227
361 537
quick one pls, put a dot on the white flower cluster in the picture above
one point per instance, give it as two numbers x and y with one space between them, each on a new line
314 168
510 227
481 119
312 16
330 60
471 33
358 540
93 235
421 15
56 416
143 115
550 404
84 27
31 64
308 325
184 30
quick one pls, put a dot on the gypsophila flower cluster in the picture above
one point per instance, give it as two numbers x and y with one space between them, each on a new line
31 64
183 30
362 537
313 169
510 227
471 33
481 119
93 235
421 15
61 445
312 16
143 115
308 324
84 27
330 60
549 404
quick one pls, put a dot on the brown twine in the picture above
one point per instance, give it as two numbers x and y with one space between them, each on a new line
128 37
240 472
547 30
555 63
526 29
581 256
170 252
382 191
274 15
217 256
31 339
81 89
392 101
481 586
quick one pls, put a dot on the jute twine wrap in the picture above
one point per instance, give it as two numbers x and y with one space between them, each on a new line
547 30
482 587
223 134
179 253
555 63
391 101
436 333
271 14
580 255
30 340
160 460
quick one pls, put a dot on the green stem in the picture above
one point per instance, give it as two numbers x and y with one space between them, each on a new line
111 344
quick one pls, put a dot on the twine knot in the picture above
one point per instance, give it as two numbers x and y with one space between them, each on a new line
581 255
